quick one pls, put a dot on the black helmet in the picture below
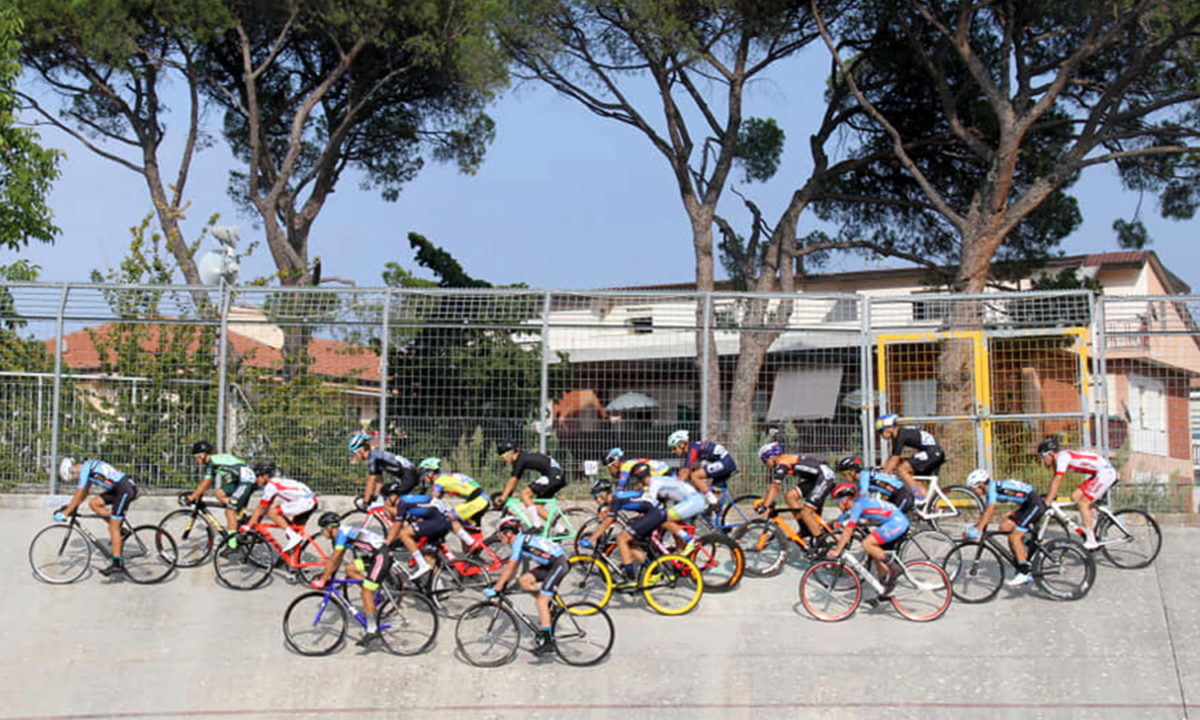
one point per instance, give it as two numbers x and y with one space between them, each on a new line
640 472
510 524
266 467
600 485
328 518
850 462
505 446
1047 446
390 488
201 446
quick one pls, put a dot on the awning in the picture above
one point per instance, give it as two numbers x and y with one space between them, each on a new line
805 393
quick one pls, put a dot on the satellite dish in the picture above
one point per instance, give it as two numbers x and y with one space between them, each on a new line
217 265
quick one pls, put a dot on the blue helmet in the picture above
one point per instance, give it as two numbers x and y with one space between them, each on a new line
358 440
885 421
771 449
615 455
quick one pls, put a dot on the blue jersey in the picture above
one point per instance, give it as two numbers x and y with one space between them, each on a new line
358 536
417 506
874 481
1008 491
631 500
535 548
703 452
872 512
100 473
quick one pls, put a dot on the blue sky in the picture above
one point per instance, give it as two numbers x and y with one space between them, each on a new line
563 200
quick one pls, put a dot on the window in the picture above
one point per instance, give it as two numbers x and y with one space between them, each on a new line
805 393
1147 415
843 310
640 325
919 396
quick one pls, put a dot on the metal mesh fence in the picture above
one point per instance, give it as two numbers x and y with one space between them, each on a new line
135 374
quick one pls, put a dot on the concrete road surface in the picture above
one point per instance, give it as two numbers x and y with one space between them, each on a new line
188 647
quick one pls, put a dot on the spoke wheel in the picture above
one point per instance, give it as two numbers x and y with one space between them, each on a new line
720 560
248 565
194 536
59 554
408 622
922 593
587 582
1064 570
457 584
1132 541
313 626
739 512
149 554
672 585
487 635
583 634
830 591
764 547
975 570
587 528
965 504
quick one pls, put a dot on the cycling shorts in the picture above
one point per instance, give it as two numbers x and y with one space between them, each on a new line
1097 485
641 527
814 492
687 509
891 530
902 498
239 494
545 487
470 511
119 496
719 471
434 527
551 574
926 462
1026 516
374 568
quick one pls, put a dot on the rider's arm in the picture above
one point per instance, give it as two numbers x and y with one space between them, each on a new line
506 573
76 499
985 517
890 465
768 499
202 488
509 486
1052 493
843 539
332 564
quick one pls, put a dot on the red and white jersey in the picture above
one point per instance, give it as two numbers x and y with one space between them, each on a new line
1080 461
287 490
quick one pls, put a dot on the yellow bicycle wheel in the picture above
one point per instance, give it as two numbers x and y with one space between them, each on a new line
587 581
672 585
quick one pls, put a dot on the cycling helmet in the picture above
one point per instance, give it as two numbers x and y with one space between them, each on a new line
848 463
201 446
844 490
679 436
1048 445
266 467
885 421
600 485
65 468
430 464
511 525
977 477
640 472
505 446
390 488
771 449
328 518
359 440
614 456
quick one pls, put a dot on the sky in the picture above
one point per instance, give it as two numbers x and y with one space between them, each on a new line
563 200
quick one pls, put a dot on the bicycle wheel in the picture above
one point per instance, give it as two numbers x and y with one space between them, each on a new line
149 554
1054 528
587 528
672 585
1130 538
248 565
313 625
456 585
487 634
1064 570
967 508
571 520
587 582
922 592
764 547
361 518
975 570
59 554
721 561
500 549
408 622
830 591
931 545
739 512
194 536
583 634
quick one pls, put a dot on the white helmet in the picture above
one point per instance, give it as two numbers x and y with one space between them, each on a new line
977 478
65 467
679 436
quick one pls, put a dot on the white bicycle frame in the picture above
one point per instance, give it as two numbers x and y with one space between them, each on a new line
1056 509
928 509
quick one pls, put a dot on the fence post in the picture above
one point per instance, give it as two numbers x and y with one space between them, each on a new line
866 412
222 362
1100 339
56 403
544 391
704 360
384 342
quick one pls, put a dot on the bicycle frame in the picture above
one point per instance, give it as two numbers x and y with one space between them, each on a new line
928 509
95 541
515 507
724 499
331 588
1056 510
291 558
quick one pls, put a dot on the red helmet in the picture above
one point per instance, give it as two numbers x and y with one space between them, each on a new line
845 490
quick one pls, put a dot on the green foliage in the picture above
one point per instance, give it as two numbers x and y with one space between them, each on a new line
26 169
1131 234
759 148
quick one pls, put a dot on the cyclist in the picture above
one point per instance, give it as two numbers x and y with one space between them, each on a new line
297 503
549 566
417 516
890 525
871 482
550 479
474 500
1099 473
364 447
928 456
371 566
814 481
702 461
1019 522
119 490
235 483
619 467
651 516
681 501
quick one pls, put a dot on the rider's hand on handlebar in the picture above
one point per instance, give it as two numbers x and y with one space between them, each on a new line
59 517
489 592
760 506
971 532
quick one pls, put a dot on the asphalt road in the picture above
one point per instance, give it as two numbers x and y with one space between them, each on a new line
187 647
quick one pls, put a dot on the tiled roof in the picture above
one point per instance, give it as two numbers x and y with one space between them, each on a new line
1124 257
330 358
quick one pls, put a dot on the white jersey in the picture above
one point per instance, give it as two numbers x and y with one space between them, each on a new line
287 490
1080 461
664 488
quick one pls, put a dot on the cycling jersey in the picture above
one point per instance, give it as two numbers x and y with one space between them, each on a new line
457 484
417 506
928 457
681 499
1080 461
802 467
362 538
874 481
227 470
535 548
714 459
296 500
657 467
380 461
538 463
99 473
1008 491
889 521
